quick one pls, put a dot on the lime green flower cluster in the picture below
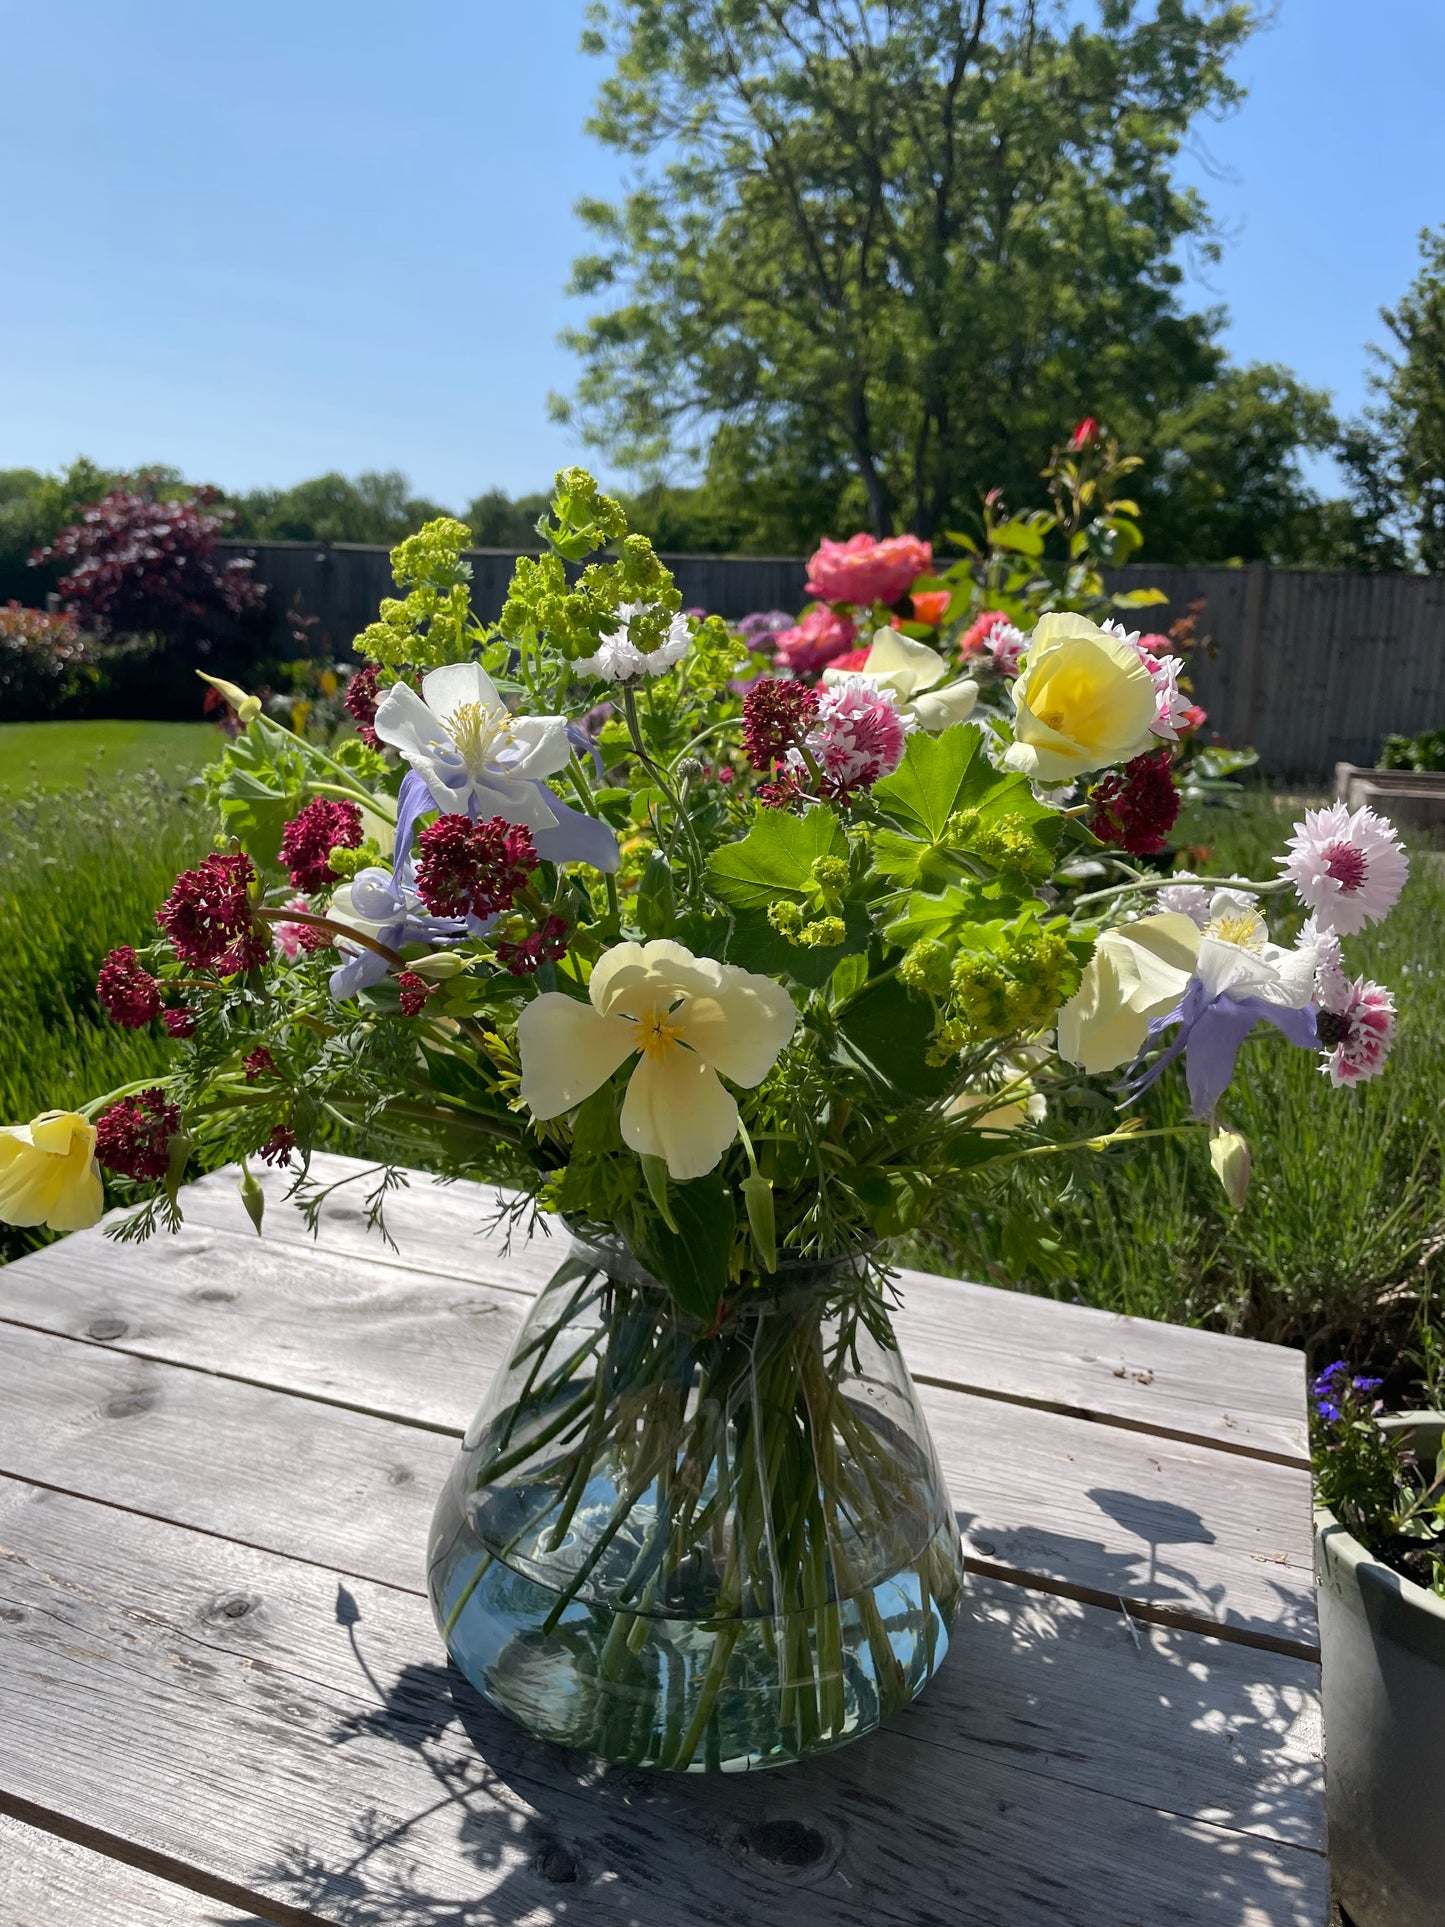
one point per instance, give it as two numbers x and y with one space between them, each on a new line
1005 844
1012 989
432 624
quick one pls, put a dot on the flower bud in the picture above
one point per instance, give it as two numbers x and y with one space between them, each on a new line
1229 1154
440 967
758 1197
247 708
253 1198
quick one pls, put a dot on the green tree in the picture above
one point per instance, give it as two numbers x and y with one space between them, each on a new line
497 522
1396 455
375 507
880 254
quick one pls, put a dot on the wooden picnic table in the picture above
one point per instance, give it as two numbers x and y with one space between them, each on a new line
222 1697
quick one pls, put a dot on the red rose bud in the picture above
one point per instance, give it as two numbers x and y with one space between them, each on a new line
128 993
1086 434
309 839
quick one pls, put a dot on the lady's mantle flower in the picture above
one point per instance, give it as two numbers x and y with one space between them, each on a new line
134 1135
129 995
690 1018
307 841
472 869
207 916
620 659
818 639
1349 869
1136 807
910 671
1083 700
863 570
856 736
1137 973
48 1173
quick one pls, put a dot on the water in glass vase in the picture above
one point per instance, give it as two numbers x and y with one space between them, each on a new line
699 1551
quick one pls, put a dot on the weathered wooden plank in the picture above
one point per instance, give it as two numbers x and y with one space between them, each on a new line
1163 1718
1218 1540
211 1702
1185 1384
49 1882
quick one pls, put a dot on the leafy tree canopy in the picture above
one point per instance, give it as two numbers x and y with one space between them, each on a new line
880 256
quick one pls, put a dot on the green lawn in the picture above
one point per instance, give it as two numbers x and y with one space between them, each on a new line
63 756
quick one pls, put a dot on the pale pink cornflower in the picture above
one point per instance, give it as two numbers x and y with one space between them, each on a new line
293 940
1332 986
1173 707
1006 645
857 735
1357 1037
1349 869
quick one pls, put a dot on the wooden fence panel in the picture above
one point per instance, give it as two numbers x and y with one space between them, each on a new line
1311 668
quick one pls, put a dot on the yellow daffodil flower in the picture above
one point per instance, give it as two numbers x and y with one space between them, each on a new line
688 1017
48 1173
1137 973
1083 700
910 670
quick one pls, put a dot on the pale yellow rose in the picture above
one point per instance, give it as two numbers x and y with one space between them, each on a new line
48 1172
1084 701
1137 973
689 1017
910 670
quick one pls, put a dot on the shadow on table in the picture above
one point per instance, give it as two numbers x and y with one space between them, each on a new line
1068 1766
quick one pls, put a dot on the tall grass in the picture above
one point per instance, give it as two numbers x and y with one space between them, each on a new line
80 873
1341 1245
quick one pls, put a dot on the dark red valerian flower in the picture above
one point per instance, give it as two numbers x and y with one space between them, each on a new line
783 792
465 868
361 699
546 945
180 1023
260 1063
776 715
415 991
1135 808
128 993
207 915
134 1135
278 1147
309 839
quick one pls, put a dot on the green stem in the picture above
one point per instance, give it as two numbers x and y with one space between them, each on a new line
1274 887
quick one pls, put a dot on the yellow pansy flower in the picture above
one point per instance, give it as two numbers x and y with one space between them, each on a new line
688 1018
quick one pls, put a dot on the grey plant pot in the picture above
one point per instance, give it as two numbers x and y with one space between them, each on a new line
1383 1644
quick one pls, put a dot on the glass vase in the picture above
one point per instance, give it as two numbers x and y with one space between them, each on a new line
701 1550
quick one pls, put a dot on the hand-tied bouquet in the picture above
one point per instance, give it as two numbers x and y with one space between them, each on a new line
740 973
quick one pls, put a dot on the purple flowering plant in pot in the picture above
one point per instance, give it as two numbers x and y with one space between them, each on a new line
738 984
1380 1564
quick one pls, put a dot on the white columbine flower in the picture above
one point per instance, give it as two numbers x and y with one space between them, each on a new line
689 1017
475 758
1237 960
1349 869
620 660
910 670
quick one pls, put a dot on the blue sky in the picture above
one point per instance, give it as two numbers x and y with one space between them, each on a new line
263 241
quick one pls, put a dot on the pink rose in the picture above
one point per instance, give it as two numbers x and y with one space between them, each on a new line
812 645
862 570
